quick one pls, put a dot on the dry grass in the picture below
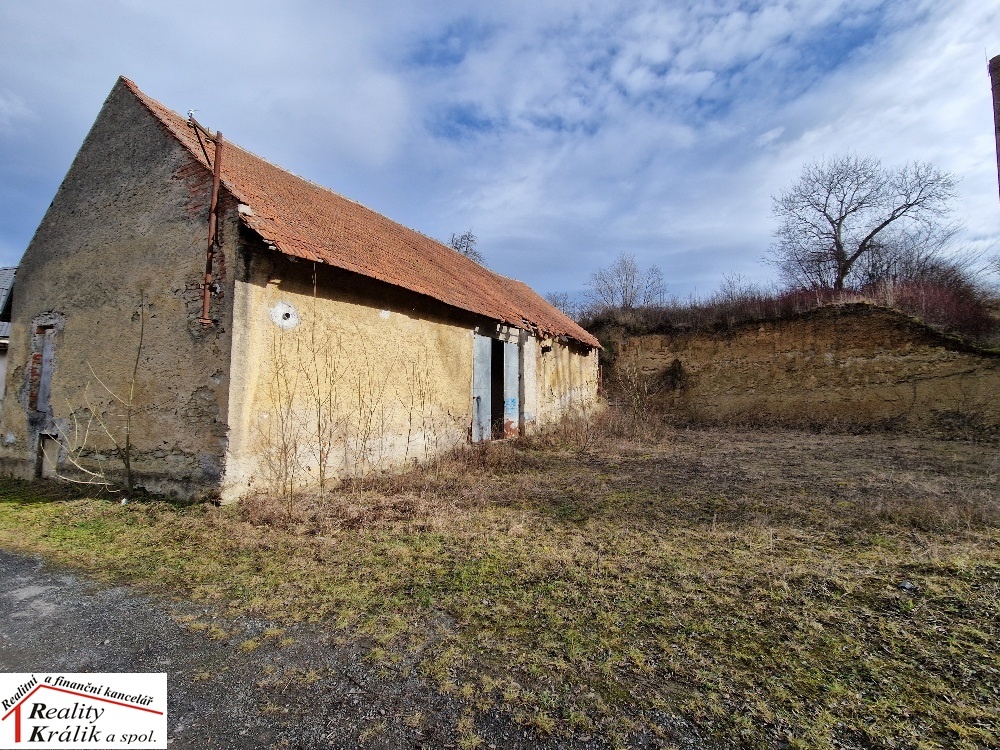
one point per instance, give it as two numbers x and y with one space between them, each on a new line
764 589
961 308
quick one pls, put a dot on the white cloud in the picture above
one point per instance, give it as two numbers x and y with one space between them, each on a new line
13 111
766 139
577 129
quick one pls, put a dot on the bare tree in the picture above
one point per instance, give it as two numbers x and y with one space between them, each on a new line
851 214
465 243
563 302
625 286
993 264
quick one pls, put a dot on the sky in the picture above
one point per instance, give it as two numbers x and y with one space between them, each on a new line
561 133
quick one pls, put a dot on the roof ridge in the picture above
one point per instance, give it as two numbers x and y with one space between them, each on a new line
302 218
147 100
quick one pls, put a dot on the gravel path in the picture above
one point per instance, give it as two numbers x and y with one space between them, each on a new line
310 693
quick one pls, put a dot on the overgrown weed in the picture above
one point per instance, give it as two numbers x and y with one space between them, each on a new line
962 309
761 589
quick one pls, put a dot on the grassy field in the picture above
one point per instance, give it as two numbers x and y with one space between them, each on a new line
769 589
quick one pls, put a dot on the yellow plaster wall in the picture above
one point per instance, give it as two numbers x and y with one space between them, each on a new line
567 378
343 386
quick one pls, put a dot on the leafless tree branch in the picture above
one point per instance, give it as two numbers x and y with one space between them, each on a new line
849 209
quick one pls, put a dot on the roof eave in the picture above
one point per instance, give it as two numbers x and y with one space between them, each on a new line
278 246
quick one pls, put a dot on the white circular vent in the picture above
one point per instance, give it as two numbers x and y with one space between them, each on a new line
285 316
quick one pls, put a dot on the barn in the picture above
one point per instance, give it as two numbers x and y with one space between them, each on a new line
239 328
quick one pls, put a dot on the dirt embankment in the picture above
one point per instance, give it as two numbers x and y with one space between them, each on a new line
848 366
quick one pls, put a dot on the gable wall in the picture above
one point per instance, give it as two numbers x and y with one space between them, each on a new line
130 219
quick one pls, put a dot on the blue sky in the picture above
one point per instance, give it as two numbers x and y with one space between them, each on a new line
562 133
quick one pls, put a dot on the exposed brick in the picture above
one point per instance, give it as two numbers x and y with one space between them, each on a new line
34 380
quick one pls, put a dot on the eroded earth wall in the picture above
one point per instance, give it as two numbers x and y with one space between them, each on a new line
846 366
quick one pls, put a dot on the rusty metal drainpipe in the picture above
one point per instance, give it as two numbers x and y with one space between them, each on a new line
213 226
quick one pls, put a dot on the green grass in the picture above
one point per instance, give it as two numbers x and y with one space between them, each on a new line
746 586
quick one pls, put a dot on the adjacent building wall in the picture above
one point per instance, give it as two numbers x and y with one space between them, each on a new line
122 246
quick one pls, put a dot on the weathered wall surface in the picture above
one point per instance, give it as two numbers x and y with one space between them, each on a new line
347 375
567 379
129 221
356 376
854 365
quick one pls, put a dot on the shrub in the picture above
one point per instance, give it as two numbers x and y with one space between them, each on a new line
950 305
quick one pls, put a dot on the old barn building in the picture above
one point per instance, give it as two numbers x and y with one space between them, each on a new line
286 338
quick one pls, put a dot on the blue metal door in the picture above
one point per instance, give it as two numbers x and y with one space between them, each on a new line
481 393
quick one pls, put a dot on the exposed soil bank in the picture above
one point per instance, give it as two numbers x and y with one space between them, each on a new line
845 366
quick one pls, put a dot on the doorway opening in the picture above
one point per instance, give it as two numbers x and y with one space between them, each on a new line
47 462
496 388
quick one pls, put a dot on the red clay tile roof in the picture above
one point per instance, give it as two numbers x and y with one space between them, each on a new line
308 221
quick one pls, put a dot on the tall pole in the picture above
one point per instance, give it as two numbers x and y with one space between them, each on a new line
213 226
995 79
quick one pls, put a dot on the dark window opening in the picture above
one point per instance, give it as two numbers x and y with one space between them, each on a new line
5 313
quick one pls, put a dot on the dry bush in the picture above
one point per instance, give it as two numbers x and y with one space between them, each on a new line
424 495
576 429
649 425
927 512
951 305
630 415
734 304
953 308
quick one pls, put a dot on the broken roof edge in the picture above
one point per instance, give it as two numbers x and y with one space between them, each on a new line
165 117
